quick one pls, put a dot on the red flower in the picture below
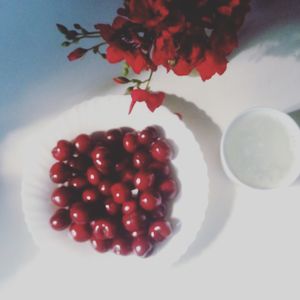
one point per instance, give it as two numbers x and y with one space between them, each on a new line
153 99
77 53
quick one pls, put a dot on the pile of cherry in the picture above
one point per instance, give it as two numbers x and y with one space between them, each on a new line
114 189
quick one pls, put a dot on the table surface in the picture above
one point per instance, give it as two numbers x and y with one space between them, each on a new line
249 244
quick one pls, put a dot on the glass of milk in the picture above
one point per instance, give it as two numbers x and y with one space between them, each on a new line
261 149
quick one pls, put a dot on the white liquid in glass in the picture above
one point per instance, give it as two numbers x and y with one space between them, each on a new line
260 149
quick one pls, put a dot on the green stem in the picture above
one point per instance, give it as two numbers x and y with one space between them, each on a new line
149 79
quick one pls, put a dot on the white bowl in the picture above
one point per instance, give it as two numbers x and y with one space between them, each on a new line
104 113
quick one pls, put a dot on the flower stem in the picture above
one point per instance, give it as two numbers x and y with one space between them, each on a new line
149 79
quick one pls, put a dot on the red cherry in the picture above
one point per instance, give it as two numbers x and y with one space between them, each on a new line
160 150
121 246
139 232
105 187
113 136
100 152
150 200
160 169
128 176
144 180
62 196
141 159
112 208
147 136
129 207
142 246
83 143
78 183
63 150
159 230
60 173
93 176
104 229
79 163
90 195
120 192
130 142
79 213
134 221
124 130
80 233
103 165
159 212
168 188
60 220
98 138
101 246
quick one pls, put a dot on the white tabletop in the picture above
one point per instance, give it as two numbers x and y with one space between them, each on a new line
249 244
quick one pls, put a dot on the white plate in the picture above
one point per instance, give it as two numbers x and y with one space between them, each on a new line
104 113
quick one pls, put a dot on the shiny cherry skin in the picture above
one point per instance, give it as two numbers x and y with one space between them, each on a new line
142 246
168 189
60 173
101 246
79 213
83 143
79 163
147 136
104 229
63 150
78 183
159 230
80 233
120 192
130 142
63 196
141 159
160 150
93 176
134 221
60 220
139 232
103 165
129 207
105 187
121 246
111 207
113 136
90 195
159 212
144 180
150 200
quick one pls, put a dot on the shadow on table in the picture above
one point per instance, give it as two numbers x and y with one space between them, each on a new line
274 26
221 193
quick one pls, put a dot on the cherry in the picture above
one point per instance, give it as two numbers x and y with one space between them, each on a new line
160 150
63 150
60 220
93 176
144 180
100 152
80 233
78 183
104 229
124 130
62 196
160 169
60 173
112 208
121 246
79 163
142 246
159 230
147 136
103 165
140 159
79 213
105 187
130 142
168 188
120 192
139 232
128 176
159 212
101 246
113 136
150 200
83 143
134 221
98 138
129 207
90 195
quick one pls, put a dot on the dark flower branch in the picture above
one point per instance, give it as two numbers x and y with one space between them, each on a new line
179 35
